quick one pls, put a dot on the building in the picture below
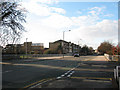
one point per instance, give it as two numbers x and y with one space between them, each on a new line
12 49
66 47
25 48
75 48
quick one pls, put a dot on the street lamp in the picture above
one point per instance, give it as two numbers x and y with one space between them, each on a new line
79 46
26 46
63 41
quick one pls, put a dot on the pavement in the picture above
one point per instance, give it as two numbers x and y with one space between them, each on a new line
35 59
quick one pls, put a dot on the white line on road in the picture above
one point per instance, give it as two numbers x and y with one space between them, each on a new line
7 71
70 74
58 77
63 75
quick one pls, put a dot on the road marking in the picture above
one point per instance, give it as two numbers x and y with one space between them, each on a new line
70 74
40 83
34 84
58 77
66 73
92 78
99 65
97 81
92 69
63 75
7 71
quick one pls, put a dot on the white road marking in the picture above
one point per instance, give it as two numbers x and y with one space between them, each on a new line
63 75
7 71
70 72
58 77
68 75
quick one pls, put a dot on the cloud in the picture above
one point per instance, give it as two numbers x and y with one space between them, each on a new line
51 29
85 27
96 10
108 15
93 34
58 10
79 12
44 1
40 7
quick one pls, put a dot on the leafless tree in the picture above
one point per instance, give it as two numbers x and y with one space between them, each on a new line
12 17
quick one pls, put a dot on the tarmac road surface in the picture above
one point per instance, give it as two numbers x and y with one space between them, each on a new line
68 72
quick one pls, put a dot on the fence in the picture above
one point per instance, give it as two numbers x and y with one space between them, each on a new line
24 56
117 75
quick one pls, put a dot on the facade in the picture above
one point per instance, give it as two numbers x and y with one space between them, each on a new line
66 47
12 49
26 47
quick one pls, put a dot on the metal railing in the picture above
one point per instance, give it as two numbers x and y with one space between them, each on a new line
117 76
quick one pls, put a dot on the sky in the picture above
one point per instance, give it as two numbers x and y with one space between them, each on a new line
90 22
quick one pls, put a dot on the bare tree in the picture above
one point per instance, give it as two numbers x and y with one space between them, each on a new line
12 18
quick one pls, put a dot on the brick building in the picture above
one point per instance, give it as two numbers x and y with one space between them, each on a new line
67 47
26 47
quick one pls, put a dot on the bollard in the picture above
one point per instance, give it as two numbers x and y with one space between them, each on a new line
115 74
119 83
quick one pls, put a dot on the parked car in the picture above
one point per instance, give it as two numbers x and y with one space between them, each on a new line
76 55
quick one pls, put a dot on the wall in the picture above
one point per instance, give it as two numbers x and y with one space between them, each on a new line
112 57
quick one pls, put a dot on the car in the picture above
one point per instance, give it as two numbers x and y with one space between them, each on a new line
76 55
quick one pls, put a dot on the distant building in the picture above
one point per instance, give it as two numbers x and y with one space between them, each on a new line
66 47
27 47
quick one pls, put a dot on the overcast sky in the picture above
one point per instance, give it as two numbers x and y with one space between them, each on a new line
90 22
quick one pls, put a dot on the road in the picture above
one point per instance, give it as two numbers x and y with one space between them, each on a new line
68 72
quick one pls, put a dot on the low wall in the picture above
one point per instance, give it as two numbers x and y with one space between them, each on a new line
23 56
112 57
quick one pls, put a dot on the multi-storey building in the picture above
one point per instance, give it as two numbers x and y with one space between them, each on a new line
27 47
67 47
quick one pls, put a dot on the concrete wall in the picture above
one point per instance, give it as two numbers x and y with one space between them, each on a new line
112 57
21 56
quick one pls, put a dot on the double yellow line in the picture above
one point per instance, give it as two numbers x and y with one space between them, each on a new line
38 82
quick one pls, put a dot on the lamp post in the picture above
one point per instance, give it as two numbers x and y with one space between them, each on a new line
26 46
79 47
63 41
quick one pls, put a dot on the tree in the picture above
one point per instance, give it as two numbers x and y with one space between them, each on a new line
105 47
91 50
11 18
85 49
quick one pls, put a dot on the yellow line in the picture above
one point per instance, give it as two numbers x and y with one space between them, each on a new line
91 78
37 82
